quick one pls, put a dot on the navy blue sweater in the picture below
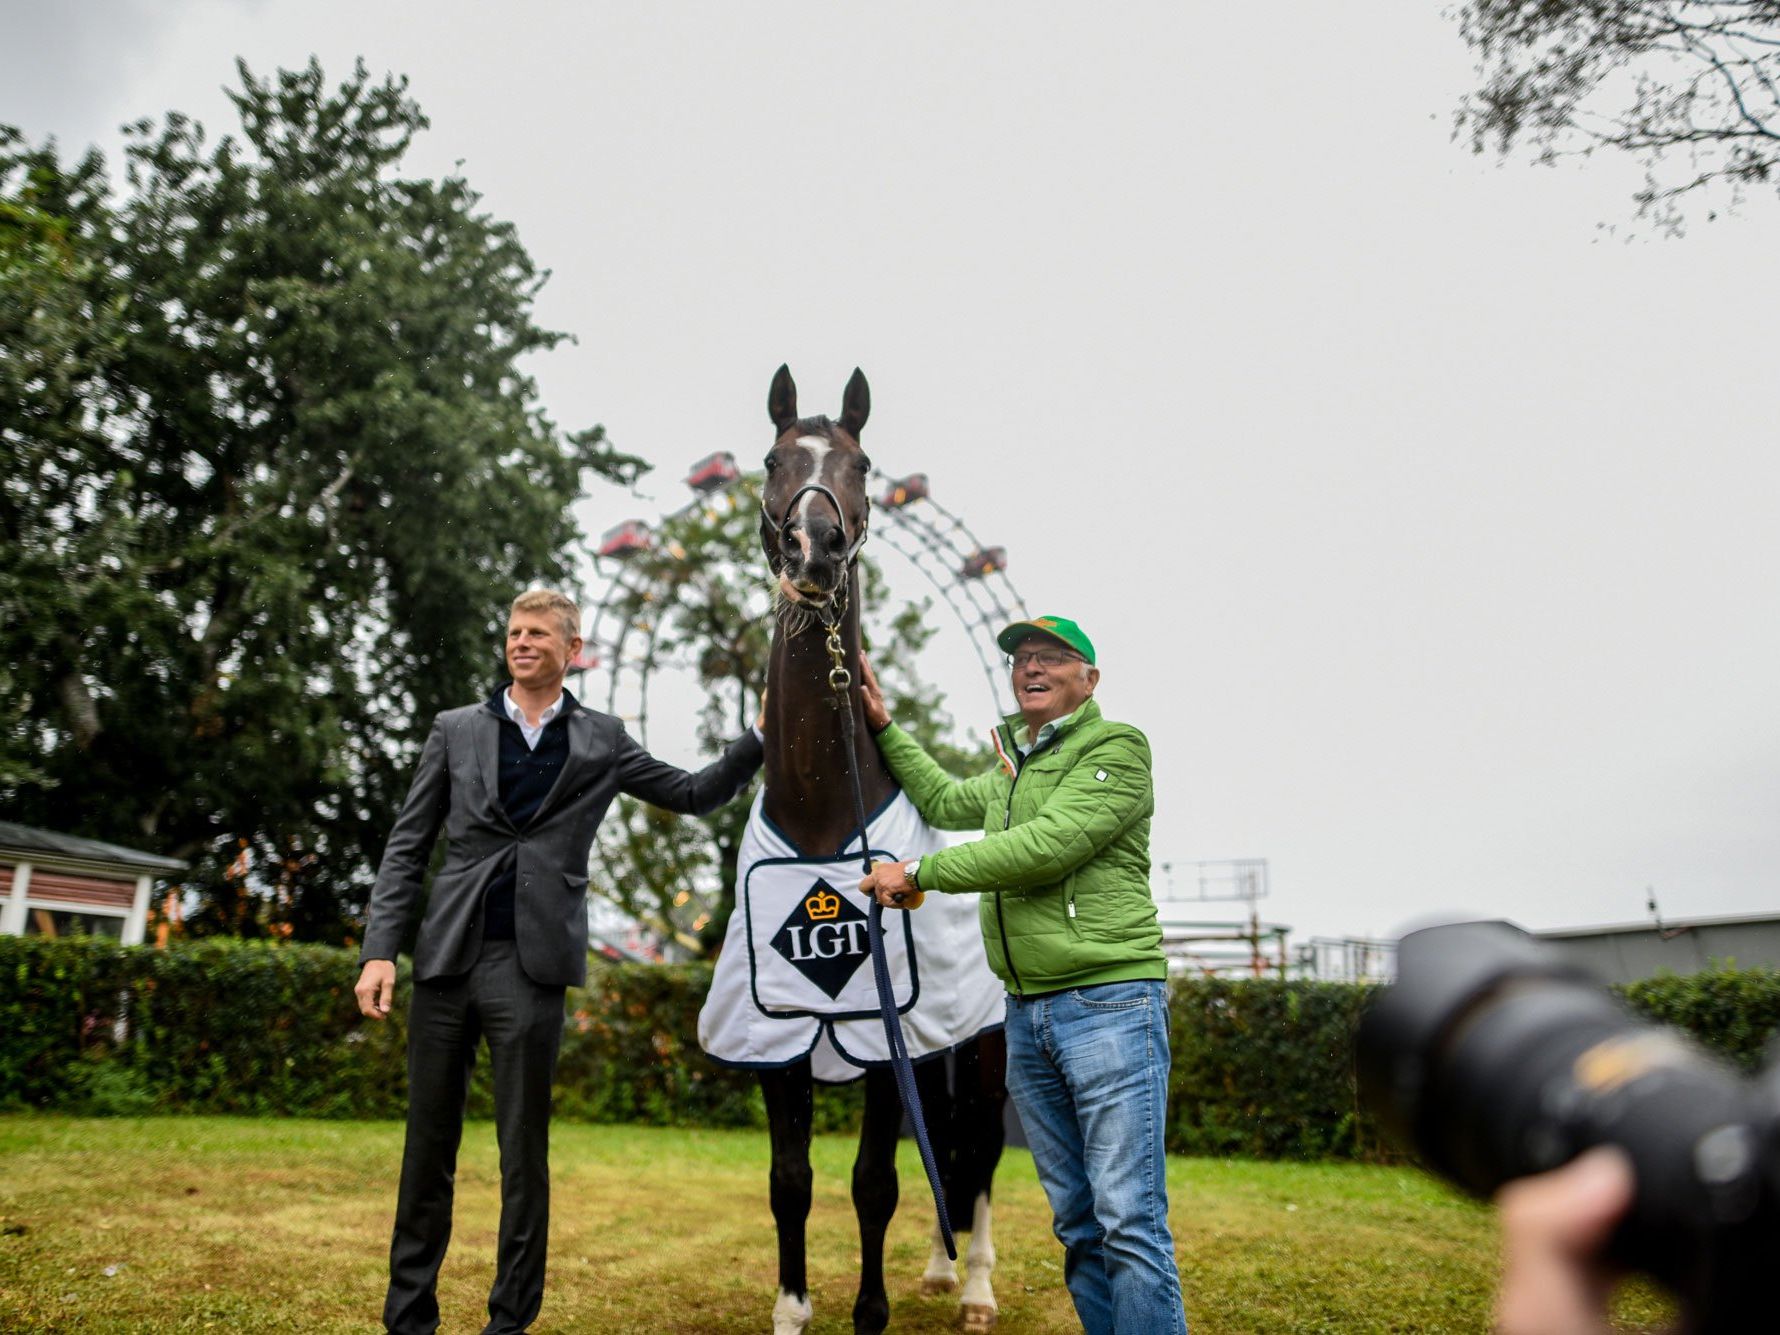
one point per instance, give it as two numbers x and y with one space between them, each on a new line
526 777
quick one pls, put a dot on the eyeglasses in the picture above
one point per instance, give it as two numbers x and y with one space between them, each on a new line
1045 658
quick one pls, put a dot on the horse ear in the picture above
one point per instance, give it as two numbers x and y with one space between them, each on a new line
781 399
856 404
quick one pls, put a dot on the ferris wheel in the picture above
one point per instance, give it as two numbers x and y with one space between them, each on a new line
670 591
655 574
644 571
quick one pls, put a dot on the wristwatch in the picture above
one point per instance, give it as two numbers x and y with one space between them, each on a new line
910 870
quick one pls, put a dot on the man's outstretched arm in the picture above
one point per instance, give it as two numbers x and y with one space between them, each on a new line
691 793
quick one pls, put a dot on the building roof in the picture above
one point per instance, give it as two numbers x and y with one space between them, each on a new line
1668 925
27 839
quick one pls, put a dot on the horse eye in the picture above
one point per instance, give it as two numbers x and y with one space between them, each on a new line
772 461
864 464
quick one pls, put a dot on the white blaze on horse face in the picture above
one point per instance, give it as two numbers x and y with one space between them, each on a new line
818 448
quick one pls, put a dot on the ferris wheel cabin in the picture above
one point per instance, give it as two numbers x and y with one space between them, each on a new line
626 539
905 491
713 473
983 562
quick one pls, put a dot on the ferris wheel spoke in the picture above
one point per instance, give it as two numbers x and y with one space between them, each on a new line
942 548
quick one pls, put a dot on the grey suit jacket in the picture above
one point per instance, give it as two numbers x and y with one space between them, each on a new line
457 788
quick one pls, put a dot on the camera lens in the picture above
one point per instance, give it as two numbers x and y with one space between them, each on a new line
1494 1057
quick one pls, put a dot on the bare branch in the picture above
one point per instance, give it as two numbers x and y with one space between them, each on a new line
331 492
1646 77
1730 83
77 701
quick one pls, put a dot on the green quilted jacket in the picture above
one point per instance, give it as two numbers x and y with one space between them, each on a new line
1064 865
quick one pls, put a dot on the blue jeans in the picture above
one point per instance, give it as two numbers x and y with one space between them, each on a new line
1088 1070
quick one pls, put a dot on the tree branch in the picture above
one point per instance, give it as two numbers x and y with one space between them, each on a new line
331 492
77 700
1711 57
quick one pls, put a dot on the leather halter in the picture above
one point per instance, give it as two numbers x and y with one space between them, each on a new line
785 520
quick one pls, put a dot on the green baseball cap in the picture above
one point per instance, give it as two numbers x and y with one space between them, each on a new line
1057 628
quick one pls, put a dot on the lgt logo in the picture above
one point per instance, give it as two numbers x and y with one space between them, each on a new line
824 939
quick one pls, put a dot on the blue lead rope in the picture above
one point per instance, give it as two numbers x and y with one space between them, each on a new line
905 1070
900 1065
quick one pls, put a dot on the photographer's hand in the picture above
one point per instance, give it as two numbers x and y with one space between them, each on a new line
1554 1230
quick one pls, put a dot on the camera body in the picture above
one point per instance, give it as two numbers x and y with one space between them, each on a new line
1494 1057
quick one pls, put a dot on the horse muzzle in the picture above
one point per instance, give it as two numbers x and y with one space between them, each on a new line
808 586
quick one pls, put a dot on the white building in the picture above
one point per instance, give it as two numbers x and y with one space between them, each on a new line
61 885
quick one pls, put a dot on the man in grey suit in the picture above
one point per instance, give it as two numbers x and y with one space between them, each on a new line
519 785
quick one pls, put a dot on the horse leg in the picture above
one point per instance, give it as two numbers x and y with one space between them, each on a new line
789 1099
977 1306
940 1276
874 1196
980 1106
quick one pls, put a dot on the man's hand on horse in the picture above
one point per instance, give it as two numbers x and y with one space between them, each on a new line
877 716
889 884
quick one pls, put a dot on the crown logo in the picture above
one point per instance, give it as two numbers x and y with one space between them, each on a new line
822 906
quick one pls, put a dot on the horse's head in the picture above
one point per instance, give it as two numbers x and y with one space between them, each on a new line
814 508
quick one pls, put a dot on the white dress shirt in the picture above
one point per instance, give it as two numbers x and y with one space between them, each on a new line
1044 734
517 714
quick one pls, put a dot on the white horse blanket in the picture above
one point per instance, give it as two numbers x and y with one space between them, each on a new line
795 978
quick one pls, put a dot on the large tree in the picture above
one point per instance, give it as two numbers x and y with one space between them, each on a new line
57 331
1690 88
272 468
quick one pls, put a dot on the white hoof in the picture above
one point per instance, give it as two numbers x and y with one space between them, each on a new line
941 1275
791 1314
976 1319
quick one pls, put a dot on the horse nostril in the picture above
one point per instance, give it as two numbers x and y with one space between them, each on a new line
835 541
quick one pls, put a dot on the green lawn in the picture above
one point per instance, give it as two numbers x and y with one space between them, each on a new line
176 1224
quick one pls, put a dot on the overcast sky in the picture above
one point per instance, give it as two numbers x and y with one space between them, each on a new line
1427 527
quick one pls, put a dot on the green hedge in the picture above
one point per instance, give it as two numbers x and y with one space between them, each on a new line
1734 1011
225 1026
217 1026
60 1003
1261 1068
1265 1068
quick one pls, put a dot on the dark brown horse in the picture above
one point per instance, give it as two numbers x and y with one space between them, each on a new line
814 517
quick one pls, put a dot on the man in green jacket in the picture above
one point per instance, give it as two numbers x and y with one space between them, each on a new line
1063 871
